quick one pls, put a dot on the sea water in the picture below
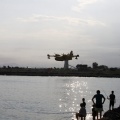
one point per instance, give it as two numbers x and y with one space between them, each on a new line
51 98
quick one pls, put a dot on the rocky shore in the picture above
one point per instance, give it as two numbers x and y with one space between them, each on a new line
112 114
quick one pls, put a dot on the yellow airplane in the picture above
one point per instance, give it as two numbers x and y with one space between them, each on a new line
63 57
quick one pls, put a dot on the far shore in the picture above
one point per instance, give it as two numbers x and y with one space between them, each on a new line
113 72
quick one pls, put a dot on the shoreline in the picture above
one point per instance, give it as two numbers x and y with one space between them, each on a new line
60 72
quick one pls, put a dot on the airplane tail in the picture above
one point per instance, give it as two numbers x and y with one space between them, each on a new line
71 53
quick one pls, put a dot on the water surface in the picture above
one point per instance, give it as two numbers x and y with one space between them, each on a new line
52 98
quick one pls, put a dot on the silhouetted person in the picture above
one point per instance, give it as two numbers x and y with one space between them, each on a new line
94 112
112 100
83 101
99 103
82 112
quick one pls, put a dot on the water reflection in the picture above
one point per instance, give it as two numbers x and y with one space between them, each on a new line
74 92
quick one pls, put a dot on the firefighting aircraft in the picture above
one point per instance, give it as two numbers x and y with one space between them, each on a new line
63 57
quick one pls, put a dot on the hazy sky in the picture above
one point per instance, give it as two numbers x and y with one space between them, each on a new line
31 29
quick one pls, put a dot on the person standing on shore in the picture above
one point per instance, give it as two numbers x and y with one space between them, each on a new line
112 100
82 112
100 99
94 112
83 101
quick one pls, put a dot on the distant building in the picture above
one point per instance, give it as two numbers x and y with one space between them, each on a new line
103 67
82 67
95 65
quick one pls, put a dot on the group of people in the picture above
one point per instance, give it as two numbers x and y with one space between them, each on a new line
98 101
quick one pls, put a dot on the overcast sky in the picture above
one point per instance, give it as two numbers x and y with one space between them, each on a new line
31 29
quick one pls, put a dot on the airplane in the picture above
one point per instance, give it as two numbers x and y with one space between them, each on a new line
63 57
